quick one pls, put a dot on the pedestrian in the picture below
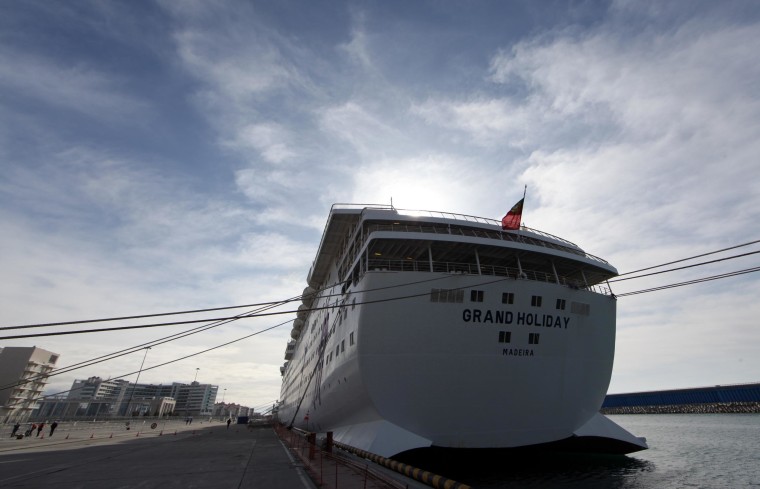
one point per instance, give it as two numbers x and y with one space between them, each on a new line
187 421
53 427
31 430
229 420
191 420
39 428
15 429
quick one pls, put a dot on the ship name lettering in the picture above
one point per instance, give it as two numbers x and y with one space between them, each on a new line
521 318
517 352
478 316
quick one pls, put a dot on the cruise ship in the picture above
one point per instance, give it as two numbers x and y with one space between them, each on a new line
423 329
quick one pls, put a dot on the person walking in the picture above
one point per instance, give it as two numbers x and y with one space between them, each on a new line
229 420
15 429
39 428
53 427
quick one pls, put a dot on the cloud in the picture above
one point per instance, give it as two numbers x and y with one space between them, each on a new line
270 139
79 88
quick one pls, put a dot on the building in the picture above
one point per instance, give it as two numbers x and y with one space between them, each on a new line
98 398
231 410
24 373
195 399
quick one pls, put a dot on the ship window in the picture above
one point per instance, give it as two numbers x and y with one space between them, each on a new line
476 296
446 295
505 336
533 338
343 345
535 301
508 298
351 338
337 350
435 295
580 308
561 304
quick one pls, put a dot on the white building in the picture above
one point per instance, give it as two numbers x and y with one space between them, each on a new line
98 398
23 375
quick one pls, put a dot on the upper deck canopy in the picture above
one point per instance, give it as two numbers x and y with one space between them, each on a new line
423 227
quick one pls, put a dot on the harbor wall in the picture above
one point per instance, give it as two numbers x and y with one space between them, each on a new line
740 398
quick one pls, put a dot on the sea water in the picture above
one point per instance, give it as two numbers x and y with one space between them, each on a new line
685 450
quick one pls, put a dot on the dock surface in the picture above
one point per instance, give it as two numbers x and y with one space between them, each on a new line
177 456
174 454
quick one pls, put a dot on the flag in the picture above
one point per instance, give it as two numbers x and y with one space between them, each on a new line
513 217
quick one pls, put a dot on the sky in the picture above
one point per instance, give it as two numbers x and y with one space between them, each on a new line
177 155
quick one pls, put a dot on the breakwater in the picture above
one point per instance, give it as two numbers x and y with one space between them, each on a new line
737 398
707 408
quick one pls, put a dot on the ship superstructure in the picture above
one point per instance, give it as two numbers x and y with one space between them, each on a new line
431 329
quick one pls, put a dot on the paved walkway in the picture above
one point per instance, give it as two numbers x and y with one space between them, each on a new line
197 456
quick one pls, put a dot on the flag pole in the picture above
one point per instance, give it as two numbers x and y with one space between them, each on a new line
525 191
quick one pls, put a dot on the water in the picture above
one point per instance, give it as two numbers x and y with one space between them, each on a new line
686 450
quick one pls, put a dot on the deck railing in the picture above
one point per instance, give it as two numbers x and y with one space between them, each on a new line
380 265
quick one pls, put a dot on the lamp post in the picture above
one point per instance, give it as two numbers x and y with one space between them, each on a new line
196 374
224 394
131 395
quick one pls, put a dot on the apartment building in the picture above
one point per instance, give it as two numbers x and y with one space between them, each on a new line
24 373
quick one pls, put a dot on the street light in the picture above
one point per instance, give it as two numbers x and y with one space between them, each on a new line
196 374
131 395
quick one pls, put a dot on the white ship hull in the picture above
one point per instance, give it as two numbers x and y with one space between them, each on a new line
404 367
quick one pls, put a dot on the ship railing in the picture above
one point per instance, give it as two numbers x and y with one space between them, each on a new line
381 265
484 233
331 469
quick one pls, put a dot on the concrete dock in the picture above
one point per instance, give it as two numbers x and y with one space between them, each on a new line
168 456
174 454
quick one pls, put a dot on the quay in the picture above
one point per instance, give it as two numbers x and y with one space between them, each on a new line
174 454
